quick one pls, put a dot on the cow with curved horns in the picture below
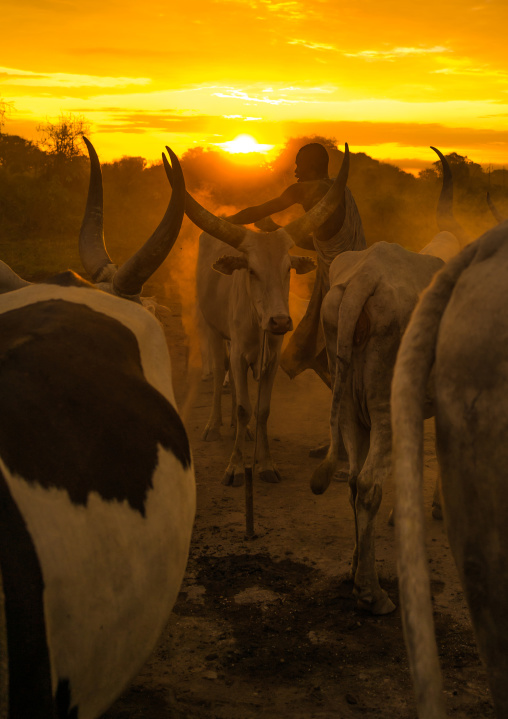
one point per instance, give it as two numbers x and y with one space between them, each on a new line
364 315
244 298
459 331
97 491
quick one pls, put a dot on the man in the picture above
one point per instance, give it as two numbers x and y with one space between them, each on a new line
342 231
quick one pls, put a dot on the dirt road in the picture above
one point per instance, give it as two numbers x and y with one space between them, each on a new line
268 628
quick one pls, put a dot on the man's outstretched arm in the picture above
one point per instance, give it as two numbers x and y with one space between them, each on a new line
258 212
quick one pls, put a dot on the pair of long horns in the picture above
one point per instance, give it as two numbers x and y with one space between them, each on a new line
128 279
297 229
445 218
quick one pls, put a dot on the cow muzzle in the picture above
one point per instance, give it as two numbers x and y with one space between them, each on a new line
280 324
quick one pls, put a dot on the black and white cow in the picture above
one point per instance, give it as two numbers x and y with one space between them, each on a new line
97 495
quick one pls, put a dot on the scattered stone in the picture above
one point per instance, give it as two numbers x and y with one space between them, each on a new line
210 675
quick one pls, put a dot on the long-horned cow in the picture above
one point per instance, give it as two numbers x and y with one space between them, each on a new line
364 315
243 297
97 491
459 330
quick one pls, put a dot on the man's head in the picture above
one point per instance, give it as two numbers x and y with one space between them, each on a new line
311 162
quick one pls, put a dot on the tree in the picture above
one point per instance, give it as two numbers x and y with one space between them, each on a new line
5 108
63 138
461 166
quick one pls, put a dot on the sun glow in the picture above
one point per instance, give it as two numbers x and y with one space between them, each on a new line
244 144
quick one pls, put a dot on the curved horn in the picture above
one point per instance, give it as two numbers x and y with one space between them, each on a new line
92 249
497 215
221 229
135 271
314 218
9 280
445 218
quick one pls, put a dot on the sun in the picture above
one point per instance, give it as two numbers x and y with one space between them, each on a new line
244 144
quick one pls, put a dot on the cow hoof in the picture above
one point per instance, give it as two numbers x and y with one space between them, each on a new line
272 476
211 434
228 478
391 519
382 605
322 477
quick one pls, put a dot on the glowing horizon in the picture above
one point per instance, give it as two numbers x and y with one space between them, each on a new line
395 82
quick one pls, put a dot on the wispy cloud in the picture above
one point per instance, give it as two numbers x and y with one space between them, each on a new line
12 76
472 72
241 117
396 53
289 9
241 95
313 45
162 121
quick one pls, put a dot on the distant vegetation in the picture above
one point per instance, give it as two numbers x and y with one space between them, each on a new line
43 194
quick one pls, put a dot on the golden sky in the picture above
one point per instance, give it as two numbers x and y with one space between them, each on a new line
389 77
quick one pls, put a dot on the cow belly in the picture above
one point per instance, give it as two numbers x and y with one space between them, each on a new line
111 577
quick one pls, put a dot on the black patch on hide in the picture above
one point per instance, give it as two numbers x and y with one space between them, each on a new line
76 411
23 585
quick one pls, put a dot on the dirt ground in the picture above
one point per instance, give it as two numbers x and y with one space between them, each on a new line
268 627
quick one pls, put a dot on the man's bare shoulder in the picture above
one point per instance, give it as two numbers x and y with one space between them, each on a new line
309 192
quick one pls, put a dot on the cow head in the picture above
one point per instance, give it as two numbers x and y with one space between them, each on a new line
265 255
127 280
267 265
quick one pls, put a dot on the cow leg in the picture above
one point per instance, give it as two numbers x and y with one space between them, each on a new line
368 493
266 468
235 471
437 511
216 344
357 440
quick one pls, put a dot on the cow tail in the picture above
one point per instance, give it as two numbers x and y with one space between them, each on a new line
355 295
414 363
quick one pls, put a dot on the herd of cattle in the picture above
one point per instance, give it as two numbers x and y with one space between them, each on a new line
97 491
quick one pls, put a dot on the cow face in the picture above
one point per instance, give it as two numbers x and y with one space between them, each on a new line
268 264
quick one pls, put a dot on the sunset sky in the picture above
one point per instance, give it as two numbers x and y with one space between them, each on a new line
390 78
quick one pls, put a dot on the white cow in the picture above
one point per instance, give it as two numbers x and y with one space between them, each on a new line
364 315
460 331
97 491
245 300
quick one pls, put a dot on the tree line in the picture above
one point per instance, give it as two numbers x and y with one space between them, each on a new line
43 190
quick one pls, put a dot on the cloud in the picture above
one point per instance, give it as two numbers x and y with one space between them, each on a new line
11 76
472 72
396 53
313 45
161 121
290 9
241 117
400 134
241 95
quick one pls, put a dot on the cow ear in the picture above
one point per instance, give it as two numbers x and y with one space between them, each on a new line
227 264
302 265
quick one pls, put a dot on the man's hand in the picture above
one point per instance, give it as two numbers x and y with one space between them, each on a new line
266 225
